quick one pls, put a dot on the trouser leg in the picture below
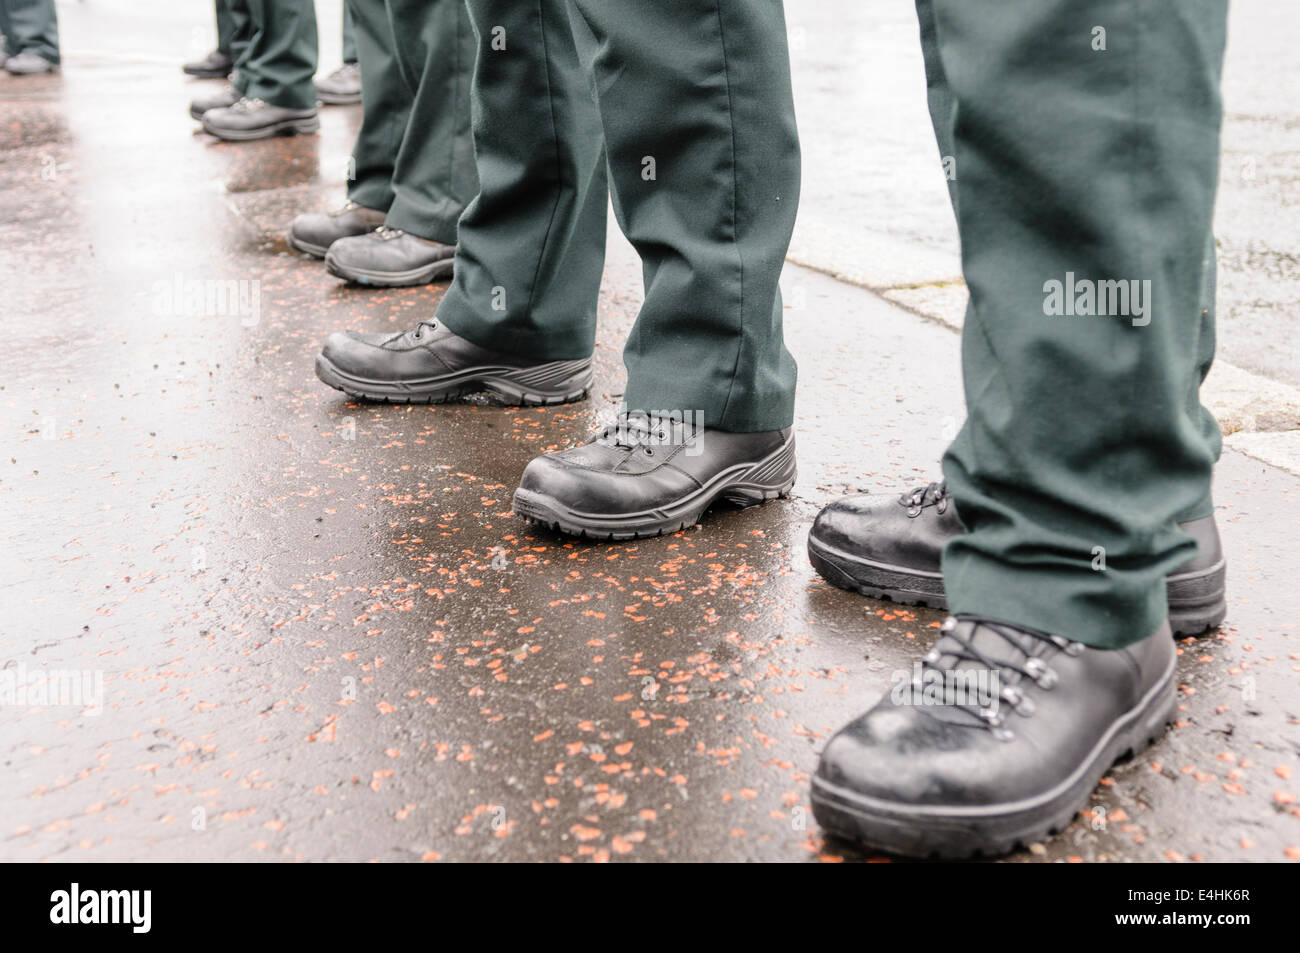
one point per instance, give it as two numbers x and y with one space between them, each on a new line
225 28
433 173
31 26
385 106
349 37
939 96
531 245
1086 147
240 23
280 60
698 116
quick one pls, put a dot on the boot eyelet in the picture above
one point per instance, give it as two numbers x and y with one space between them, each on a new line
1040 673
649 452
913 511
1019 703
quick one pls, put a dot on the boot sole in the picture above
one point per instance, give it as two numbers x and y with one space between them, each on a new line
745 484
1197 600
206 73
288 127
555 382
425 274
958 832
307 248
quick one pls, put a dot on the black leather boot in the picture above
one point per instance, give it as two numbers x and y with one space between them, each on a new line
647 475
222 98
314 232
254 119
216 65
429 365
890 547
997 740
390 258
341 87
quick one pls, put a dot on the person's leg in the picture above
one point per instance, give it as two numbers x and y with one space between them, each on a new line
343 86
891 545
434 176
31 26
225 28
10 45
1086 147
942 113
519 317
531 245
698 115
385 113
349 37
696 107
242 29
1083 438
280 61
273 75
218 63
385 110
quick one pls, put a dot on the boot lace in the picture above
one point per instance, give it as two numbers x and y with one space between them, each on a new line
960 649
637 430
934 494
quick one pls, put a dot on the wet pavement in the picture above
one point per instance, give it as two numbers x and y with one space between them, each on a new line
321 634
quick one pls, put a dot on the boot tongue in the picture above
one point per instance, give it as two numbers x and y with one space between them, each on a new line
959 637
426 332
628 431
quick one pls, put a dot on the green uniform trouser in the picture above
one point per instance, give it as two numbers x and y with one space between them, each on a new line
230 42
349 38
279 61
692 101
1086 147
414 154
225 28
30 26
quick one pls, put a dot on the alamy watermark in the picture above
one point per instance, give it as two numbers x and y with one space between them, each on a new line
209 298
977 687
661 428
1085 298
43 688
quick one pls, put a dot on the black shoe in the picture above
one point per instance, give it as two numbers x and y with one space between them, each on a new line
216 65
315 232
254 119
28 63
647 475
429 365
890 548
219 99
341 87
1002 751
390 258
